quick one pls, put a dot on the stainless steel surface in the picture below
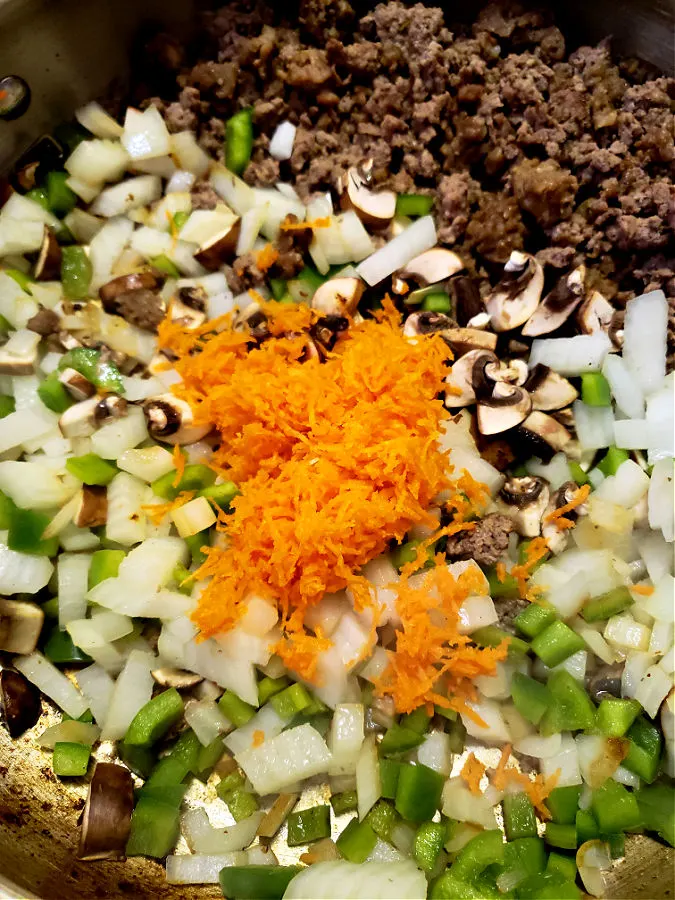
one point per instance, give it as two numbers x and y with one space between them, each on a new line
69 51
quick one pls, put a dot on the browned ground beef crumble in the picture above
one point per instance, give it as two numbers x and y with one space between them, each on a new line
522 144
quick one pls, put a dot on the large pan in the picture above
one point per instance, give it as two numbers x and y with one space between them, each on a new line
69 51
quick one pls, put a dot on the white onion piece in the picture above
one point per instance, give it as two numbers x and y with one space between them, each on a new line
204 224
539 747
73 574
202 837
70 731
495 729
497 686
595 641
624 632
623 776
594 425
661 422
368 783
631 434
644 339
289 757
660 499
106 248
345 737
624 386
251 223
33 486
435 752
476 612
74 539
566 760
180 181
21 343
660 604
627 487
479 468
376 665
97 161
15 304
661 637
637 663
653 689
656 553
191 157
593 858
235 192
206 720
210 660
84 190
21 426
599 758
459 803
127 195
96 120
53 683
342 880
97 687
127 522
417 238
145 134
556 472
281 144
568 597
384 852
133 690
571 356
266 721
200 868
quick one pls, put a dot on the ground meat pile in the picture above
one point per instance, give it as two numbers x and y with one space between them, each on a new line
523 143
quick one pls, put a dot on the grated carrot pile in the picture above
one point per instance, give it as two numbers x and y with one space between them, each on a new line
334 460
537 788
558 515
472 772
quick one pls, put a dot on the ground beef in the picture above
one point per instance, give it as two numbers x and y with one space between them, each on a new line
203 196
142 308
486 543
44 322
524 144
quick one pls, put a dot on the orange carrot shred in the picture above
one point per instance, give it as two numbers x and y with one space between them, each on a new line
501 572
156 512
537 788
472 772
179 462
645 590
258 737
321 222
536 551
580 496
265 258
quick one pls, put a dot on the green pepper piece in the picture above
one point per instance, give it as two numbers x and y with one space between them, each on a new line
519 818
239 140
39 195
183 578
61 650
54 395
104 564
615 808
398 739
414 205
70 134
7 508
221 494
182 759
526 856
208 757
25 533
242 804
257 882
278 287
657 808
502 590
611 461
76 272
153 720
70 760
417 721
418 793
530 697
235 709
607 605
87 361
195 477
268 687
491 636
616 843
140 760
616 716
154 828
382 818
51 609
449 887
91 469
563 804
7 406
291 701
577 472
59 196
195 542
644 754
163 264
556 643
305 284
389 772
438 302
407 553
549 886
586 825
446 713
534 619
22 279
357 841
457 734
428 843
562 865
347 801
571 710
595 390
180 218
564 836
308 825
482 851
230 782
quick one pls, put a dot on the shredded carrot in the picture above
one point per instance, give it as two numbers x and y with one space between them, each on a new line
265 258
179 462
537 788
580 496
322 222
536 551
156 512
472 772
501 572
258 737
645 590
173 230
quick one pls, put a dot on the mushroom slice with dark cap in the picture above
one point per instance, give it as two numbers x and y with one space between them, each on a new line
21 702
544 434
426 322
518 292
220 248
605 681
18 365
461 380
549 391
48 264
513 372
176 678
171 420
188 308
106 821
376 209
20 625
508 406
79 387
595 314
467 301
92 511
558 305
462 340
338 296
525 498
432 267
558 538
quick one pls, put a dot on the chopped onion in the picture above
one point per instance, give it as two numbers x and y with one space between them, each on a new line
73 574
435 752
653 689
342 880
266 721
660 499
202 837
53 683
571 356
539 747
289 757
200 868
657 555
625 633
417 238
150 566
476 612
97 687
34 486
595 641
70 731
206 720
235 192
593 858
660 604
127 522
180 181
623 776
22 426
368 783
195 516
631 434
459 803
210 660
384 852
96 161
599 757
281 144
96 120
251 223
189 154
497 686
566 761
204 224
594 425
624 386
661 422
127 195
376 665
479 468
556 472
133 690
627 487
645 333
637 663
145 134
106 248
494 730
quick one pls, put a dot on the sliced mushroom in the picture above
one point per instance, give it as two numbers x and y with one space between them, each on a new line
480 321
595 314
526 500
134 281
513 372
176 678
426 322
20 625
432 267
79 387
557 538
544 435
558 305
517 294
327 330
461 380
508 406
376 209
468 304
605 682
219 249
462 340
12 364
549 390
21 702
112 406
48 265
92 511
338 296
189 315
82 419
171 420
106 821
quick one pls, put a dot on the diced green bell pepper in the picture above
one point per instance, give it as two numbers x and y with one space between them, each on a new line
221 494
195 477
587 826
308 825
76 272
418 793
644 754
563 836
39 195
449 887
414 205
616 843
577 472
615 808
399 739
104 564
239 140
526 856
611 461
519 818
268 687
87 361
163 264
7 508
291 701
382 818
53 394
153 720
59 196
140 760
505 589
531 698
438 302
208 757
22 279
491 636
356 842
549 886
257 882
417 721
235 709
389 773
347 801
607 605
534 619
180 218
483 850
7 406
60 649
241 804
154 828
278 287
563 804
70 760
233 781
556 643
571 710
595 390
26 528
92 469
615 716
195 543
657 808
429 840
562 865
180 761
